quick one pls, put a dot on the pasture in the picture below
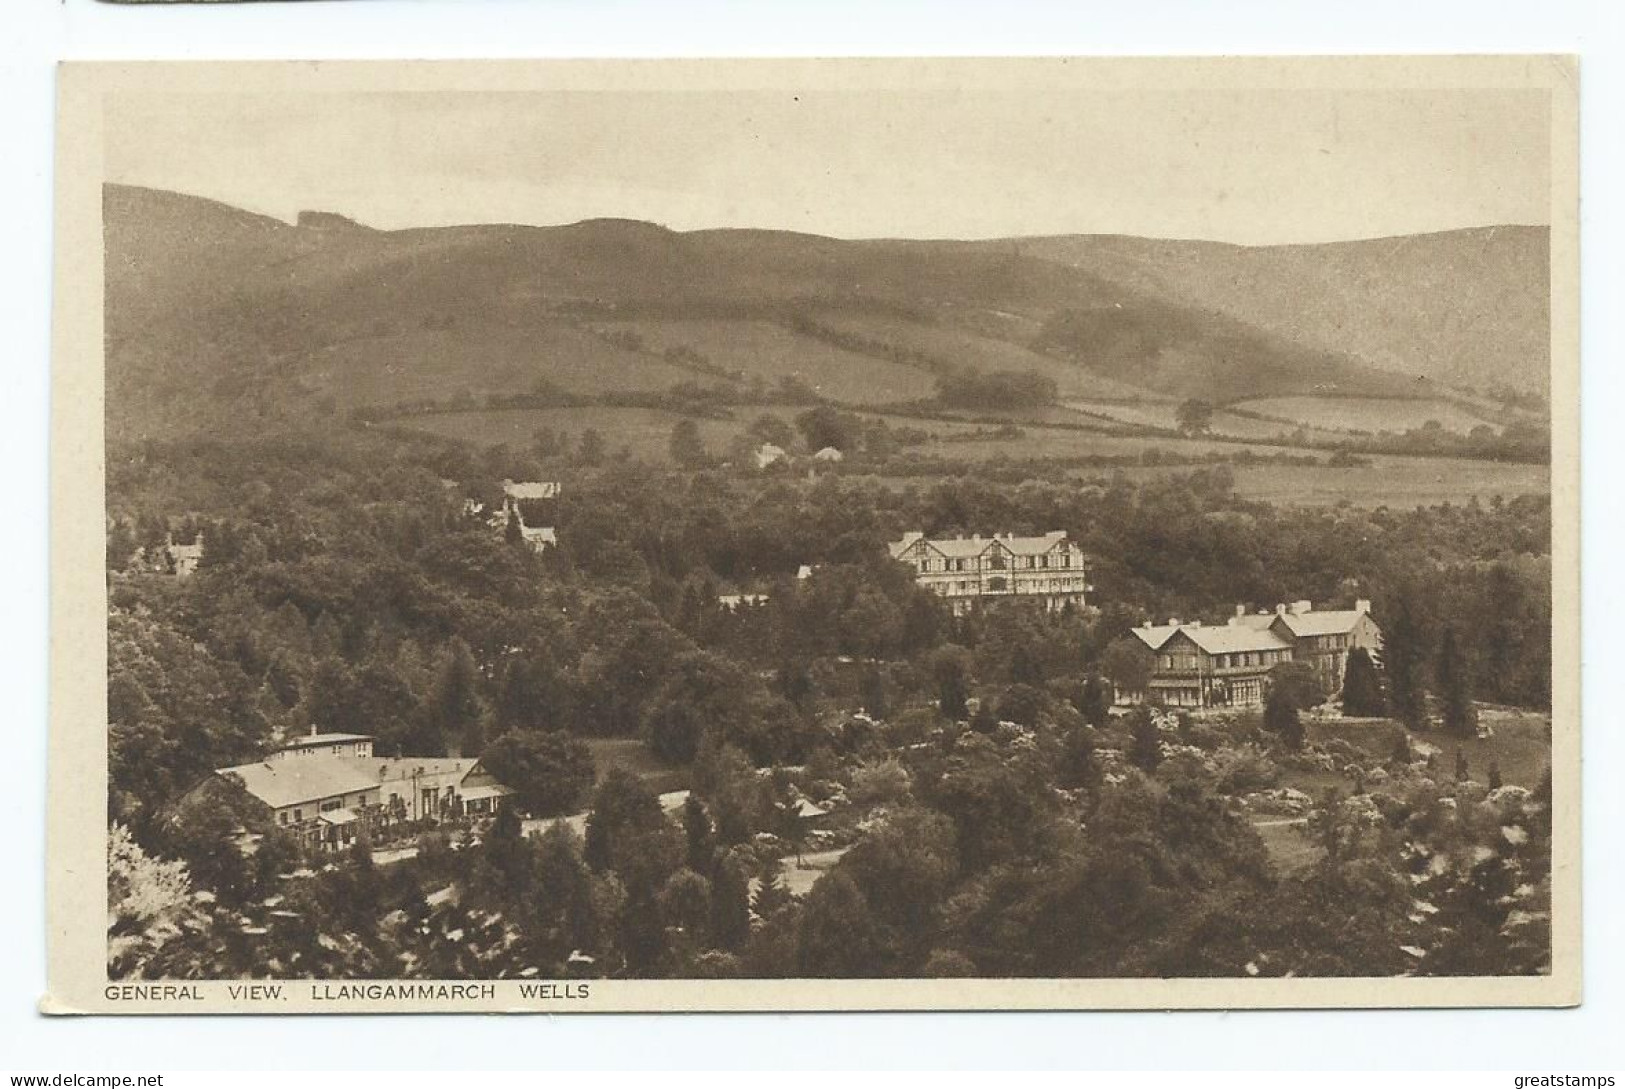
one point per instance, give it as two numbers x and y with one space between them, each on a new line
1368 414
771 351
1390 480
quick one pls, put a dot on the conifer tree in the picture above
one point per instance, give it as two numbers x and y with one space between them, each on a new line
1362 687
455 702
1405 662
1455 688
1281 718
730 906
1145 746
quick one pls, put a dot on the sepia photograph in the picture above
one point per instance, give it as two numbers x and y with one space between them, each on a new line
815 534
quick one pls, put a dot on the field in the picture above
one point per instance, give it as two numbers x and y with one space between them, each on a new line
1370 414
967 349
775 352
1165 414
484 359
1390 480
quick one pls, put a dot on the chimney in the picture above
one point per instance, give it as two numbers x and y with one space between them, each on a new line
1173 621
1196 623
1280 610
312 729
1362 606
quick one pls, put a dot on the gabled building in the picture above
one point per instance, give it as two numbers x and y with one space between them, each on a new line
1218 665
1323 638
1204 665
969 571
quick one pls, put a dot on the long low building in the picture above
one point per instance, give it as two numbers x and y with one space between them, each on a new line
326 788
1228 665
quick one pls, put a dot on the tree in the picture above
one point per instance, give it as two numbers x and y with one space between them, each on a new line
1128 664
772 429
1195 416
590 450
550 772
1456 688
950 666
686 447
698 833
513 532
685 905
730 905
454 703
1145 741
771 895
1296 683
1404 659
873 692
838 934
825 425
1094 701
1362 687
1281 717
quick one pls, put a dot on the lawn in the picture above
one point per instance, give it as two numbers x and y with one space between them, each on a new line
630 754
1520 743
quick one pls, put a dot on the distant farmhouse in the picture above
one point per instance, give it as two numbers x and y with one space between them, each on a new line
973 570
185 558
1220 665
326 788
515 496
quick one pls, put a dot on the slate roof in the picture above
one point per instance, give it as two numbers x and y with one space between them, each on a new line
1214 639
531 490
1330 622
281 783
966 547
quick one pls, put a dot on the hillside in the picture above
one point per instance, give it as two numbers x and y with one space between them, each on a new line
1468 307
217 318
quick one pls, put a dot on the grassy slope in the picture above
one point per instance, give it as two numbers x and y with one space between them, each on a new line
261 318
1468 306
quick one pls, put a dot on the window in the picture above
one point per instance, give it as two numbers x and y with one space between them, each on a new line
282 817
298 815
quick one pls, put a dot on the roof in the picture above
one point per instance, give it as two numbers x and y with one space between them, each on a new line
282 783
829 453
965 547
538 533
1214 639
531 489
396 769
492 790
308 740
1330 622
338 816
